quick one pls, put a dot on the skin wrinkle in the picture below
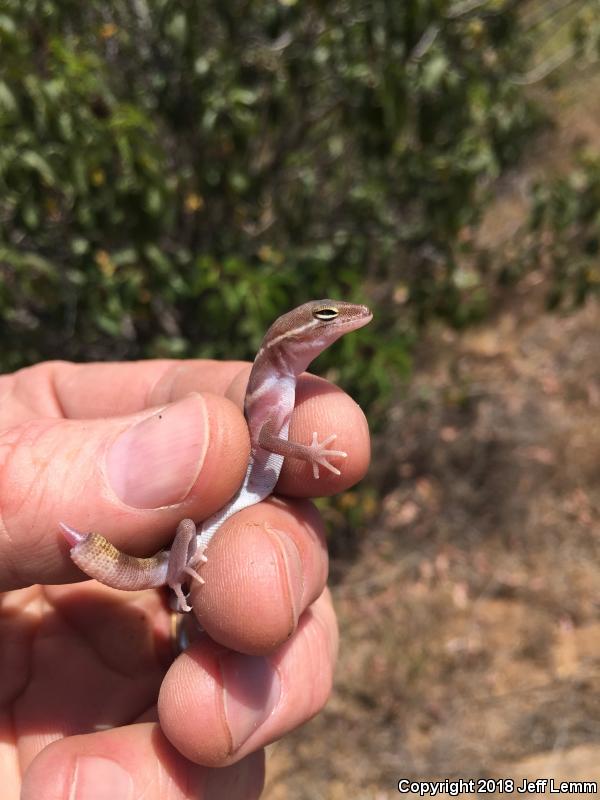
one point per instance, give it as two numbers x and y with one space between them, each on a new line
23 376
77 408
50 608
36 469
220 705
169 378
19 378
312 630
156 395
313 531
170 774
208 660
55 394
15 439
131 602
12 704
77 634
9 565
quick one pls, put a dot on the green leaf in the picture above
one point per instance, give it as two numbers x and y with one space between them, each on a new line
176 27
31 215
8 102
39 164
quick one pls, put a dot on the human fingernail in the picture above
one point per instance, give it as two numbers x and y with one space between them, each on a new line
97 778
292 571
156 461
251 690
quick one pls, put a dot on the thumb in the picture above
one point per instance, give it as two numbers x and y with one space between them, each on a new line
131 478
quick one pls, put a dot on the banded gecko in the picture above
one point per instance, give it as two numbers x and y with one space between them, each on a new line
289 346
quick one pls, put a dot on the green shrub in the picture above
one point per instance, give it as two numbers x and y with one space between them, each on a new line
174 175
564 232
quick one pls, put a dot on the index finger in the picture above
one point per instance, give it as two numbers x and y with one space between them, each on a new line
97 390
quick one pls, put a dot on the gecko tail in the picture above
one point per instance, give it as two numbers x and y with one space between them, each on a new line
72 535
101 560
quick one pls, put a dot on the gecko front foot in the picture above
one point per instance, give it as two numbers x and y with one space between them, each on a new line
320 455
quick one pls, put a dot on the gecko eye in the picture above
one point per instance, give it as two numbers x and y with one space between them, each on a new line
326 313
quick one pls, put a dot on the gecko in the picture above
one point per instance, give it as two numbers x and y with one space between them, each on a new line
292 342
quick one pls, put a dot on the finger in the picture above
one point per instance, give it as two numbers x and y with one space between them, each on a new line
216 705
132 762
92 390
265 567
131 478
83 391
95 390
86 391
325 408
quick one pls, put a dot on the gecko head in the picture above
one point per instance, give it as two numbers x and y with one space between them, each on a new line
306 331
338 315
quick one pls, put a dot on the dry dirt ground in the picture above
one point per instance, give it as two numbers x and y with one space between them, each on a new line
470 617
470 610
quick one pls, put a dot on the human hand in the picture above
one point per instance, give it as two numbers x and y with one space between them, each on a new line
87 672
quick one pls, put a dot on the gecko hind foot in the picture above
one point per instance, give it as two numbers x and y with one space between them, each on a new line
182 604
185 556
193 574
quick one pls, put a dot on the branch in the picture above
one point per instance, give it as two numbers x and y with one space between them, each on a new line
463 7
425 42
546 67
